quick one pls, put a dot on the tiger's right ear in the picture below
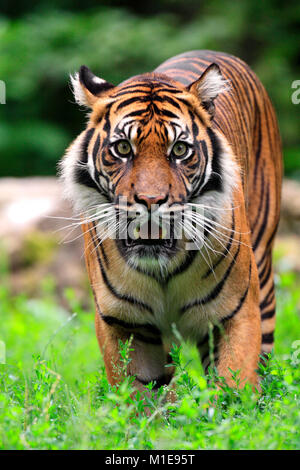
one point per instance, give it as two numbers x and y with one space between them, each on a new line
209 86
87 87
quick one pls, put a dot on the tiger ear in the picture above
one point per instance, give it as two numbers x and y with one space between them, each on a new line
209 86
87 87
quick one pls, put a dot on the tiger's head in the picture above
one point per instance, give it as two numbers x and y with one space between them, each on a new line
149 149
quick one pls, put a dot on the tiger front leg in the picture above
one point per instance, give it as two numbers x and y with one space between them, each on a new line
237 341
239 349
146 353
234 342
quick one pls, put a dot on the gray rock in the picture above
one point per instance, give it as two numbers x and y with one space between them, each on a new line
32 219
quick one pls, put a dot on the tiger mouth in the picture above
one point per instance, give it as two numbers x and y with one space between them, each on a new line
167 243
153 241
148 249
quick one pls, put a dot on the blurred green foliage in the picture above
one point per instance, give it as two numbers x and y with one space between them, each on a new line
41 43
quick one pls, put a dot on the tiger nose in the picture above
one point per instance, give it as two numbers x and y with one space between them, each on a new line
149 200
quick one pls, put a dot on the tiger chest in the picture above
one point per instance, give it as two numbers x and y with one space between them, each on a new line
136 298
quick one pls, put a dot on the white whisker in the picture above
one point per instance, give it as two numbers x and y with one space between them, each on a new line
193 204
204 227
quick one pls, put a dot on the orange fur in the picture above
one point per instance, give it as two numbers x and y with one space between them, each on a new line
235 133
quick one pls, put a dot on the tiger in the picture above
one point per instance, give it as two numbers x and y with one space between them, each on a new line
196 141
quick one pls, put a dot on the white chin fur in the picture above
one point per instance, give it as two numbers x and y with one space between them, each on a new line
150 265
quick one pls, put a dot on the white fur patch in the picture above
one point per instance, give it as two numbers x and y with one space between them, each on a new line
212 84
78 91
98 80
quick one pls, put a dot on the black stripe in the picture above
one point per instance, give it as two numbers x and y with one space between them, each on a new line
267 301
204 150
264 221
81 173
128 89
262 273
264 257
268 245
241 301
135 99
82 176
225 252
268 314
199 165
258 150
106 261
191 255
168 99
96 148
215 181
140 112
84 147
261 200
194 125
112 289
147 326
109 320
267 338
166 112
264 281
217 289
137 88
172 90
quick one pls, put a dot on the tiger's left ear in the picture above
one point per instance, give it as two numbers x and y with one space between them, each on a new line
209 86
87 87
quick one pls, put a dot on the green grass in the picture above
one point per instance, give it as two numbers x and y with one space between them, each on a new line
54 393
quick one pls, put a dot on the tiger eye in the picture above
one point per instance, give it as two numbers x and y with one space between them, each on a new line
179 149
123 148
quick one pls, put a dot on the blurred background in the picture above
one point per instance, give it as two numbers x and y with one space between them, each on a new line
42 42
53 390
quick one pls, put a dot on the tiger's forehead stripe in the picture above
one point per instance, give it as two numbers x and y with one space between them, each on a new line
149 91
153 101
143 87
157 102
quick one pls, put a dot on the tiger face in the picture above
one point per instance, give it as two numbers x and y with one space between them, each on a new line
149 154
